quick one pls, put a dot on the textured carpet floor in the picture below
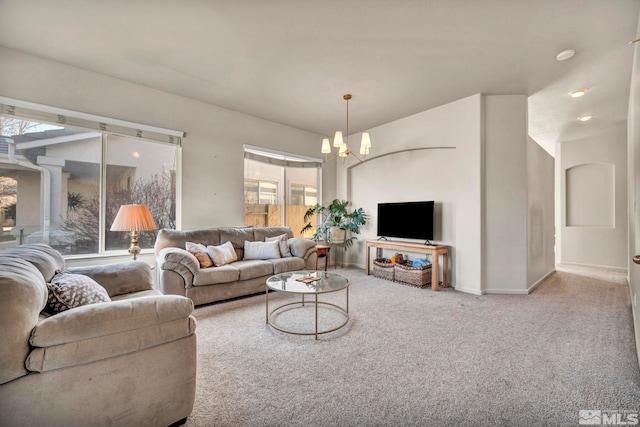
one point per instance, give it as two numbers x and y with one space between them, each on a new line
413 357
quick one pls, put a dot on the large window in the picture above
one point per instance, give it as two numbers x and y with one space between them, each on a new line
278 189
63 185
260 192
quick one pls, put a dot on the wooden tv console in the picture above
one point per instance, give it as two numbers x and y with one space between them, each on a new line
435 251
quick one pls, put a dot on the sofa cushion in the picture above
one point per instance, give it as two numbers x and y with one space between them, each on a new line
261 250
260 233
282 265
119 278
283 242
237 236
215 275
200 252
252 268
68 290
178 238
223 254
100 331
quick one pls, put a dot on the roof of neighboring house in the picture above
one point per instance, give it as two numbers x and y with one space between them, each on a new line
33 153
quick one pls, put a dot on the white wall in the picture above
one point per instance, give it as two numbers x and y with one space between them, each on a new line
212 155
633 158
505 200
540 214
450 176
602 224
493 192
518 203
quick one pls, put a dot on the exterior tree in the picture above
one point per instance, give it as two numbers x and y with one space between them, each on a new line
10 126
158 193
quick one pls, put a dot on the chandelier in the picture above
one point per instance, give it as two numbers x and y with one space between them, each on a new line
341 143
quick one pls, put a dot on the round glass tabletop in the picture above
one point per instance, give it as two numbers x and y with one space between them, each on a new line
308 282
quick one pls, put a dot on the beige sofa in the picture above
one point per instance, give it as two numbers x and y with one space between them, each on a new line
179 271
128 361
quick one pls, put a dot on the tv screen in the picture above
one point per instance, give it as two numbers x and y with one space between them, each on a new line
411 220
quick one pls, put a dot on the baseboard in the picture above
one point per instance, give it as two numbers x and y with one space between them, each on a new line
520 291
635 323
593 266
542 279
473 291
506 292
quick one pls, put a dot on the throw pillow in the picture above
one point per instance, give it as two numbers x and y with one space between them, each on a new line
261 250
200 252
285 252
223 254
68 290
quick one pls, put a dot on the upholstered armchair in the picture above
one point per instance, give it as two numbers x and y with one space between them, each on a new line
127 360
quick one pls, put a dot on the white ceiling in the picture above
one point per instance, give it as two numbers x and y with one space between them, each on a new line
290 61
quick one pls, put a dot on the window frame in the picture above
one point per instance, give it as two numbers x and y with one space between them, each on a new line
22 110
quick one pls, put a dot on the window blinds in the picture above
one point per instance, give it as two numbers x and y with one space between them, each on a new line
279 159
53 115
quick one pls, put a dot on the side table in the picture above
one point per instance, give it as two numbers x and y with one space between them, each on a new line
323 252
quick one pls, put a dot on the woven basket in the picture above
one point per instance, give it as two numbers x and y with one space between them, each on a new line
382 269
415 276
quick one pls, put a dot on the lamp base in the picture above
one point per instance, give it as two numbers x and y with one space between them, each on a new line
134 249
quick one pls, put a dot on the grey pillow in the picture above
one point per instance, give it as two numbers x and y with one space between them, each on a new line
69 290
285 252
261 250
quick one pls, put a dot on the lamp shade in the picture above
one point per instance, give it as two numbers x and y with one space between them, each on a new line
366 140
338 141
326 146
133 218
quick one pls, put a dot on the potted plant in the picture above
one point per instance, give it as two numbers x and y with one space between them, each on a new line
337 224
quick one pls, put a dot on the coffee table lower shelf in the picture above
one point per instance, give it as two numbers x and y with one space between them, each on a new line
302 304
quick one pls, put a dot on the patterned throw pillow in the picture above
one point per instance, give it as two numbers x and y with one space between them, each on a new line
285 252
199 251
68 290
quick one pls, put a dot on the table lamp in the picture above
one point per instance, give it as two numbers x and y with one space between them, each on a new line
133 218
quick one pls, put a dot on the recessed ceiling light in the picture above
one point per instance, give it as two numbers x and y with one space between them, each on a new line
585 117
578 93
565 54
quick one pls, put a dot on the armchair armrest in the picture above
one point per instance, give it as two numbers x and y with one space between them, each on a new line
302 247
98 331
120 278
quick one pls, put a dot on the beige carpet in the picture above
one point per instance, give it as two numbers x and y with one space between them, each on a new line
413 357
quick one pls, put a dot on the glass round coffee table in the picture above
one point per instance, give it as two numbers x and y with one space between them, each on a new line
308 283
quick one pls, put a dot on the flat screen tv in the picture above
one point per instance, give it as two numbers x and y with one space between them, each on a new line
410 220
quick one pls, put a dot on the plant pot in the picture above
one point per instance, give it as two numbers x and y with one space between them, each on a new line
336 236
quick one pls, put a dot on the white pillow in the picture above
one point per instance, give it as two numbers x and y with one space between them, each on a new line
285 252
223 254
261 250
